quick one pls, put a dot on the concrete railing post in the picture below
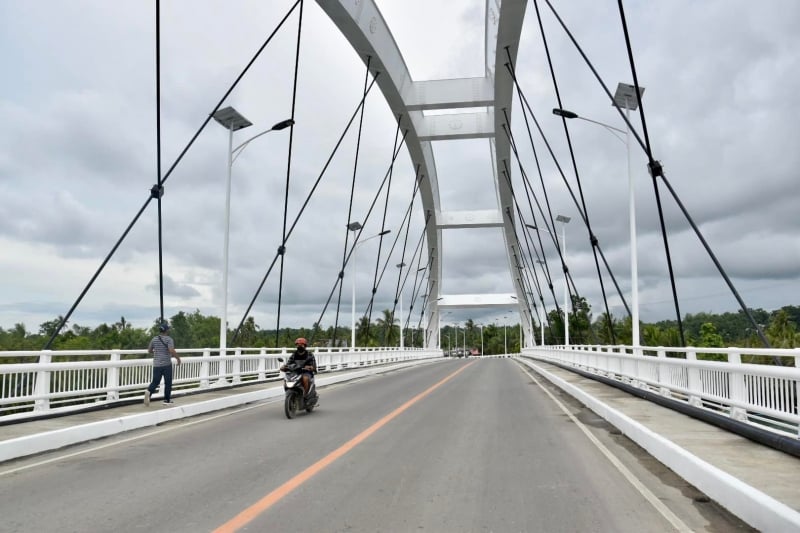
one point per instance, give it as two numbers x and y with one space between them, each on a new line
695 385
262 364
663 372
112 378
205 365
736 386
237 367
42 387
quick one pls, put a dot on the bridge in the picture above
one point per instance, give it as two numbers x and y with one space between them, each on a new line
583 432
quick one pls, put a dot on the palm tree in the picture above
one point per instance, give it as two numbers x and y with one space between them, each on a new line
387 326
469 327
362 331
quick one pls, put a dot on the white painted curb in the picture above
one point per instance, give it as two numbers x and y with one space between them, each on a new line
748 503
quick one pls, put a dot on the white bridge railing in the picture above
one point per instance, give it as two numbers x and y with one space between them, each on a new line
764 395
43 382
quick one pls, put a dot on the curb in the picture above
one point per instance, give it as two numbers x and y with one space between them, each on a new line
748 503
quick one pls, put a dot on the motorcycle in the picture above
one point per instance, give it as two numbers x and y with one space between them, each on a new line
295 400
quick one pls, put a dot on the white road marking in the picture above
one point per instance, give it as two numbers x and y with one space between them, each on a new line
130 439
671 517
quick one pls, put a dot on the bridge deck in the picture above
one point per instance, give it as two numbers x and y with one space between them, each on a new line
757 483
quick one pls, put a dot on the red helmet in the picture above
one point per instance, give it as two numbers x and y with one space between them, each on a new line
301 340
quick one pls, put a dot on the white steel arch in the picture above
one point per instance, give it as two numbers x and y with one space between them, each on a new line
361 22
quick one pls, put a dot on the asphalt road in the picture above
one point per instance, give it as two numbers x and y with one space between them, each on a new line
466 445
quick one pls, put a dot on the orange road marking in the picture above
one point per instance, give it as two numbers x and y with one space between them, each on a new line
249 514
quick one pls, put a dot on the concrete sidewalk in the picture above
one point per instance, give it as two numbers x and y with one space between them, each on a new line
754 482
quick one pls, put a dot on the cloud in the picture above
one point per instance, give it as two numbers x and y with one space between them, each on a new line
78 156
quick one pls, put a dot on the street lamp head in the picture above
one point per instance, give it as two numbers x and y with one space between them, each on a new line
564 113
354 226
283 124
231 119
401 265
385 232
562 218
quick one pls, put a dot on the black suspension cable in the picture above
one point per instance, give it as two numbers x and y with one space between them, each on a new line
526 183
349 253
561 257
654 167
656 170
383 220
302 209
157 190
592 237
282 250
528 262
567 275
416 287
405 223
229 91
418 249
97 273
529 191
401 280
350 207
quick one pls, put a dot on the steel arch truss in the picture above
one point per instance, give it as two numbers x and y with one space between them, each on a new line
361 22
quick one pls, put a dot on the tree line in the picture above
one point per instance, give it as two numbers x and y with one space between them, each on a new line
195 330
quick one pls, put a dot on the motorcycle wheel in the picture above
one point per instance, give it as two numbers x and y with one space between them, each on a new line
290 405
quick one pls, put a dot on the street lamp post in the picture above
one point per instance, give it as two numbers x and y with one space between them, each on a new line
505 335
232 120
541 322
624 98
400 266
355 226
481 326
564 221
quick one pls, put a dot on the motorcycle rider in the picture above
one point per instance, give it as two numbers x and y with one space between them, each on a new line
306 360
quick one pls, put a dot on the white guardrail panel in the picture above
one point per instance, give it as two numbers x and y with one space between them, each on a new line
35 383
761 394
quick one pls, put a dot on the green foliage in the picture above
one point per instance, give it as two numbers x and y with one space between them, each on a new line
195 330
782 332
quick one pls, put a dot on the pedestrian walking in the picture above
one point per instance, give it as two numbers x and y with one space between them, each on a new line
163 349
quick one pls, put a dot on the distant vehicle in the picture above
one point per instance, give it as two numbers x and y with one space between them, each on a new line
474 351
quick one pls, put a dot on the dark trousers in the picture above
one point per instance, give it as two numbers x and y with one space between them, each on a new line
158 373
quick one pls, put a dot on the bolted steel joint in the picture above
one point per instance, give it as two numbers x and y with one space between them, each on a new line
655 169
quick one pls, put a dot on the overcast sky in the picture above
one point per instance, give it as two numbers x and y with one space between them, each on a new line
78 155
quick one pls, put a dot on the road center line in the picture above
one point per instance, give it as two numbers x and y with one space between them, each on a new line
249 514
